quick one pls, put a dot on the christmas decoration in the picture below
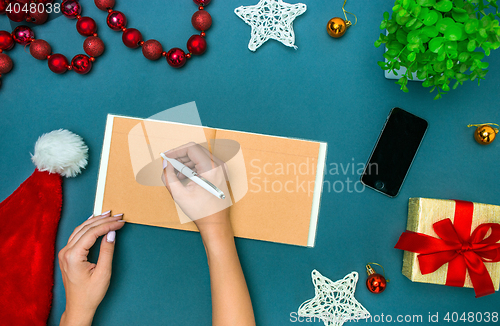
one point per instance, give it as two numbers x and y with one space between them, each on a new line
456 242
375 282
28 227
42 50
333 302
337 26
152 49
485 133
271 19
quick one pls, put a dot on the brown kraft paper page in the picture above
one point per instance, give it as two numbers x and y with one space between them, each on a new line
269 211
270 215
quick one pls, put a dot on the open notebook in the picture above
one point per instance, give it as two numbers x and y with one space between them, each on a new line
276 182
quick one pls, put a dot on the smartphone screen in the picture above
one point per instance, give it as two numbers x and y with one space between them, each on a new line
393 154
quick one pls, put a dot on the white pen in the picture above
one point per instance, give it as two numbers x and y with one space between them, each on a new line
195 177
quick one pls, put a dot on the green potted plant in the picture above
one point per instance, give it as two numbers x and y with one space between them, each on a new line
440 41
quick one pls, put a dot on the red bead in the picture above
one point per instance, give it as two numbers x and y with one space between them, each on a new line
176 57
38 17
81 64
201 20
5 63
6 41
202 2
58 63
197 45
188 55
3 6
71 8
104 4
14 15
23 35
152 49
116 20
376 283
86 26
40 49
93 46
131 38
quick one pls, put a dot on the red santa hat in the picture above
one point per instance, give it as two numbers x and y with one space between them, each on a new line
28 227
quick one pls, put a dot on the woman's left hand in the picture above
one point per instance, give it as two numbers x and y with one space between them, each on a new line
86 283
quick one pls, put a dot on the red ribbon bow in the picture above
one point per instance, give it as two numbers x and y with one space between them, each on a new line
458 247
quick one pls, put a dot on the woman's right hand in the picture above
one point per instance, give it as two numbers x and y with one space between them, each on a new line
206 210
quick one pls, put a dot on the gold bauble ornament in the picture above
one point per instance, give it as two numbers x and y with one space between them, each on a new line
337 27
485 134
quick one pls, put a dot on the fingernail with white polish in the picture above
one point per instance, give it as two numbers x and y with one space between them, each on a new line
90 217
165 163
105 213
110 237
118 215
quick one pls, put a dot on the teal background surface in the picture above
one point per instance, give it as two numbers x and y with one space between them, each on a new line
328 90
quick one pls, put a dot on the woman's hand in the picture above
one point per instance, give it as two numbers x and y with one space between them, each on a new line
202 207
86 283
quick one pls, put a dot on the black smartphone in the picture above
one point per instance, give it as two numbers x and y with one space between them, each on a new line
394 151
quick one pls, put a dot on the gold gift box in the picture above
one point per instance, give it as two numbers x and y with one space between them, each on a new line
422 214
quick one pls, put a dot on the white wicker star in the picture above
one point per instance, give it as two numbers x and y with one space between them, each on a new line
333 302
271 19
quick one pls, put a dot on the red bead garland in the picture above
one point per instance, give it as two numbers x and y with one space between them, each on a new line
152 49
5 63
132 38
86 26
6 40
116 20
71 8
58 63
42 50
81 64
93 46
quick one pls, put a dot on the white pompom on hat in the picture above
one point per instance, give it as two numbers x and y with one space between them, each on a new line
60 151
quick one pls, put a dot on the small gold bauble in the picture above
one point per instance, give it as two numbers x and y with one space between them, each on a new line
336 27
485 134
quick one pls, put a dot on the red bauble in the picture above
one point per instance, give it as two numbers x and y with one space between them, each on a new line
5 63
116 20
104 4
201 20
86 26
58 63
81 64
131 38
71 8
152 49
23 35
197 45
38 17
17 16
6 40
376 283
202 2
176 57
93 46
3 6
40 49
